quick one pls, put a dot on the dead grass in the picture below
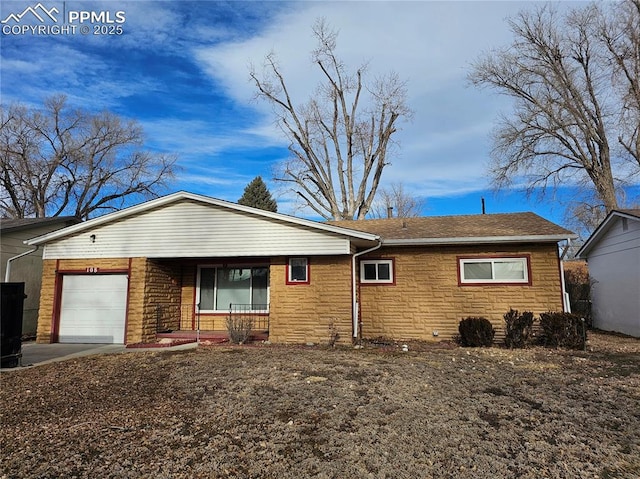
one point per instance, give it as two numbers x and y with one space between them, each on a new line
291 412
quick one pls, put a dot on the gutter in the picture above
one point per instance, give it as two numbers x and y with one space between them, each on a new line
355 305
7 272
475 240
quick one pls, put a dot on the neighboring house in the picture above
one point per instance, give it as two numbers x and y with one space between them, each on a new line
185 262
613 255
28 268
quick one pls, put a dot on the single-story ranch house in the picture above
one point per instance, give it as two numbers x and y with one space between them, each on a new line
185 262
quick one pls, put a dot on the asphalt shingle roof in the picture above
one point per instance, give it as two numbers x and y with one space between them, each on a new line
462 226
16 224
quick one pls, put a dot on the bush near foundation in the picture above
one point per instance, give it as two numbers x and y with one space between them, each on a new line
563 330
475 331
518 328
239 328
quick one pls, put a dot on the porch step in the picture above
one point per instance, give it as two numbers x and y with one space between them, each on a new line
162 343
210 336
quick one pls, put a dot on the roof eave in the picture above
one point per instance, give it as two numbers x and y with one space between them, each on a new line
47 221
600 230
478 240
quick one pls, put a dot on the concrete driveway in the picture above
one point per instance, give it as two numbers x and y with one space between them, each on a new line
37 354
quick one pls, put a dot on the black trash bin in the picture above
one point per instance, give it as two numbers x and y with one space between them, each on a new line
11 324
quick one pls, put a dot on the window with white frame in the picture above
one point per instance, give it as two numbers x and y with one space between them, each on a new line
298 271
378 271
220 287
494 270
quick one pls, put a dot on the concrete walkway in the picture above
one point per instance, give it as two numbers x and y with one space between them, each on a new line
34 354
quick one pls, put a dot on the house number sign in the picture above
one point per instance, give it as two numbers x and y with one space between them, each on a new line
92 269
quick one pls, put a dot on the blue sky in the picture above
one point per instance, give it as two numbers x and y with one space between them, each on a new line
182 70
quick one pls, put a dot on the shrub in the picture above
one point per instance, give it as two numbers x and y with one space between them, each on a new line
578 286
239 328
518 328
563 330
476 332
334 335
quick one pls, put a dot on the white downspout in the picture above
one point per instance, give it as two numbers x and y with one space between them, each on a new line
355 308
566 301
7 272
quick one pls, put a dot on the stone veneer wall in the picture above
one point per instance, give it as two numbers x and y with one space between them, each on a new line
426 296
302 313
162 298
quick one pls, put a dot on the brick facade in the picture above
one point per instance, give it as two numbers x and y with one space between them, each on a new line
426 296
162 297
153 296
302 313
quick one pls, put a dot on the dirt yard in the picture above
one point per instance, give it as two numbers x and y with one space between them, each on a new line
286 412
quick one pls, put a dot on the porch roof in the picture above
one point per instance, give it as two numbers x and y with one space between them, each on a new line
185 225
186 196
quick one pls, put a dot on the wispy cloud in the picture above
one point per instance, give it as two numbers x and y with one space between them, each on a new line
430 44
182 70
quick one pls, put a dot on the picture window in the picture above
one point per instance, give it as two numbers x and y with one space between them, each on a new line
494 270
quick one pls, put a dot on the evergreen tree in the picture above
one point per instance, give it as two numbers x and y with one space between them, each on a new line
257 195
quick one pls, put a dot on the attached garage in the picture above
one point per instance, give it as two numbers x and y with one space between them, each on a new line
93 308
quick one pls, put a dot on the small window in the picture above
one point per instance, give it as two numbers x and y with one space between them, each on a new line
298 271
494 270
378 271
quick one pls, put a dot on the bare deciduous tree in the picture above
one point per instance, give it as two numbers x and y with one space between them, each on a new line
63 161
341 137
402 204
575 80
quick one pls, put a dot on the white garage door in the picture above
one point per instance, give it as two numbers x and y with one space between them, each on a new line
93 308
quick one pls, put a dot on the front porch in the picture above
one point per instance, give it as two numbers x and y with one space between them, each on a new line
195 326
220 336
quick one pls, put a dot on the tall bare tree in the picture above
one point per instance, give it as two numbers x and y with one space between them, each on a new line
394 200
574 78
58 160
341 136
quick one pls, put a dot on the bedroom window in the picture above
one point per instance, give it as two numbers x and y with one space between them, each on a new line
219 287
376 271
298 271
494 270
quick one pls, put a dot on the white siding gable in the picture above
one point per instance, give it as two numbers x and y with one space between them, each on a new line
193 229
623 235
614 266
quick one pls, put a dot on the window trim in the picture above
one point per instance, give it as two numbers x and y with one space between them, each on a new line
461 260
251 266
292 282
372 282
